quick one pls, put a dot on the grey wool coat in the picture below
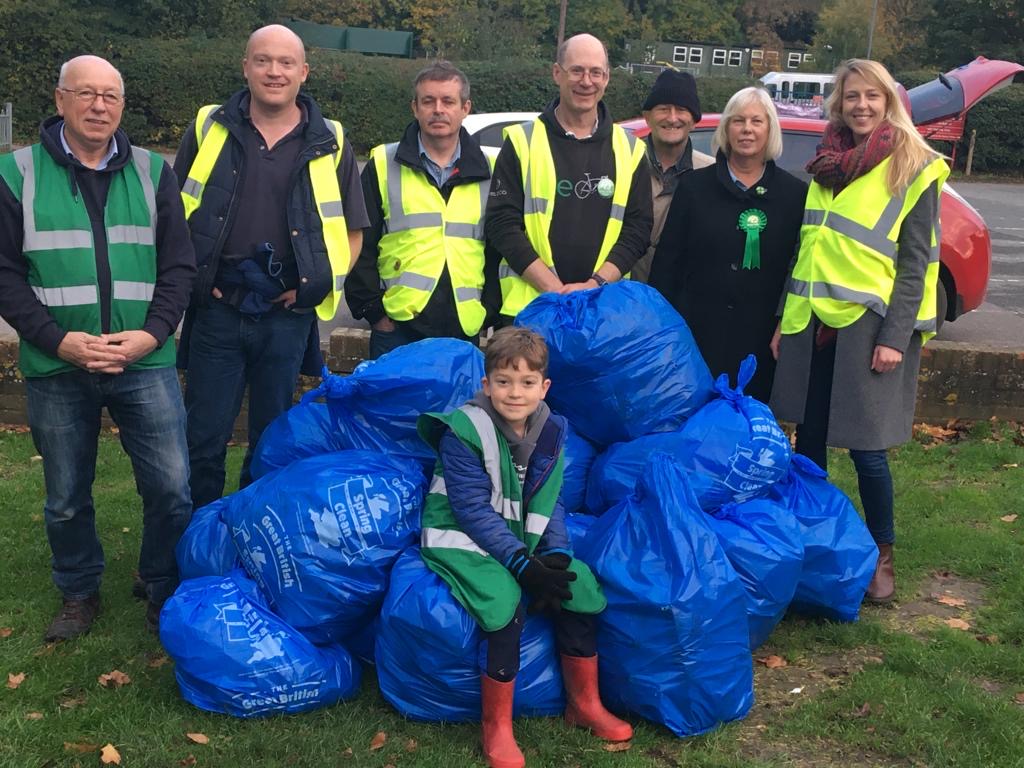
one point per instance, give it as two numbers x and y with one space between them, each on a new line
869 410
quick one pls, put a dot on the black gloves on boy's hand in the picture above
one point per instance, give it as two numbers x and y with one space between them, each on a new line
545 579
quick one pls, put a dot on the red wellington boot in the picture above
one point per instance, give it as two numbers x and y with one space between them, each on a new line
499 744
583 702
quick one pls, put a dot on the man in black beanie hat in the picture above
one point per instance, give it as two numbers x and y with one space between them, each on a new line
671 110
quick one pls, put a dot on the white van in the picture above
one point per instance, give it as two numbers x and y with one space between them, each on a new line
798 86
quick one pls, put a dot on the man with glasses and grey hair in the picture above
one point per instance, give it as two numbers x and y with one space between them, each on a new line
96 267
583 216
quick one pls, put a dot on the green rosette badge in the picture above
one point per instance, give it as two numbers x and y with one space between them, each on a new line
752 221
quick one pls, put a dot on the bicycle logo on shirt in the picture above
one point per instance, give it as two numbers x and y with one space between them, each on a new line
587 186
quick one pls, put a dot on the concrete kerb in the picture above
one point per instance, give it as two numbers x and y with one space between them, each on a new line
957 380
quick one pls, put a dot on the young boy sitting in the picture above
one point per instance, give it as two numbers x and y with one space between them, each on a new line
494 528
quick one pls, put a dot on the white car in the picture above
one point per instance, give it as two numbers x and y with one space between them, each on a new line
488 128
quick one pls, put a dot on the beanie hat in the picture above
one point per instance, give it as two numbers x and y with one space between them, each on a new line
678 88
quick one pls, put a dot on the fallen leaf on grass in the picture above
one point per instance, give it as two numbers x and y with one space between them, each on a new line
187 762
80 747
14 680
6 631
126 530
158 660
800 689
1008 518
1018 698
34 716
347 752
955 602
617 746
113 679
110 756
987 639
198 738
935 432
1010 466
411 745
36 458
378 740
772 662
957 624
862 711
70 701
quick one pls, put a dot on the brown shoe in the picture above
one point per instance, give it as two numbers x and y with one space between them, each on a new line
138 588
75 618
882 588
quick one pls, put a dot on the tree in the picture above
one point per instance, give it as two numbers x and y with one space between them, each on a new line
842 31
703 20
959 31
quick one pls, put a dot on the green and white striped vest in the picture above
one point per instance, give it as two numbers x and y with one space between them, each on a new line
58 245
480 583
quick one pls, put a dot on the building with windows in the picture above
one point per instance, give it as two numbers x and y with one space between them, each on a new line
702 59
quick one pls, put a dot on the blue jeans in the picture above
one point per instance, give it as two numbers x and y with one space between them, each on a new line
227 352
874 480
64 414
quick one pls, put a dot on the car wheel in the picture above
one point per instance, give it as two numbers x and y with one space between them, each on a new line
941 305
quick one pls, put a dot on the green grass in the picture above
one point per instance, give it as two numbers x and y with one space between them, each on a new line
935 696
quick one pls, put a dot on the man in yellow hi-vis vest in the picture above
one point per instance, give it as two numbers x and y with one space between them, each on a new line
570 201
273 201
421 273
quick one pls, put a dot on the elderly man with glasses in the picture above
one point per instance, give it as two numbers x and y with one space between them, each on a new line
570 200
96 267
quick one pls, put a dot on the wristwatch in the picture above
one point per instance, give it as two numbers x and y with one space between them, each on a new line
598 279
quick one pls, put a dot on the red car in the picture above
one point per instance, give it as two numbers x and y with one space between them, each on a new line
966 250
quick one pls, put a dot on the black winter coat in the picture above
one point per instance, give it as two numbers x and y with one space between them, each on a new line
698 265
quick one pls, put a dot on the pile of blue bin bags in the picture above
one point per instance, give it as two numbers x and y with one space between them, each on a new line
681 494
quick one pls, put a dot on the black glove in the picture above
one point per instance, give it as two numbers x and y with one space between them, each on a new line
547 586
557 560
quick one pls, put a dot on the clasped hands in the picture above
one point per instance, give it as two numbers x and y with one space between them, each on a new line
107 353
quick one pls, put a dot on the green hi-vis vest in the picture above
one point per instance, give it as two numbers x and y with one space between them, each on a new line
422 234
485 587
537 167
211 137
849 248
58 245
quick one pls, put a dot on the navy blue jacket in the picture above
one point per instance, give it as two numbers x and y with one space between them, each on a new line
469 493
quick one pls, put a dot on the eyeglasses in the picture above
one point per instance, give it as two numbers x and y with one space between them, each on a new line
88 96
576 73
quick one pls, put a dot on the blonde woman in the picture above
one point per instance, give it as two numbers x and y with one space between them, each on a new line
861 298
729 239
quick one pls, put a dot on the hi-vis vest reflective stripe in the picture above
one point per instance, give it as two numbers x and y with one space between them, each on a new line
57 242
211 137
849 248
537 167
422 234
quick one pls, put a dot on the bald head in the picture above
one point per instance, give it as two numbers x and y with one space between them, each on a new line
583 45
277 36
87 67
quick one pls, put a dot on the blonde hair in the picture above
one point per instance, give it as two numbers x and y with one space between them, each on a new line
910 152
737 102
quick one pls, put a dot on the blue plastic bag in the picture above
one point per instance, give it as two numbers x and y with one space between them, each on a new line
303 430
206 548
673 642
764 545
577 526
623 363
376 407
428 653
233 655
321 535
733 449
579 458
839 553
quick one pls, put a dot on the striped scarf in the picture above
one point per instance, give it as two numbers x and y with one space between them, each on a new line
839 160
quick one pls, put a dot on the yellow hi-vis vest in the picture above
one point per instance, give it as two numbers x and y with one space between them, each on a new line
537 166
849 248
422 234
211 137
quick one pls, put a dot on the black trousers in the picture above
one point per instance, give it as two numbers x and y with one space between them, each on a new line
575 635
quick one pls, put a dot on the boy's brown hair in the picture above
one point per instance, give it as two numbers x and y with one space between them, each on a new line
511 344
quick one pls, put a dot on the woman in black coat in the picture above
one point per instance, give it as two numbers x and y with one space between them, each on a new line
730 236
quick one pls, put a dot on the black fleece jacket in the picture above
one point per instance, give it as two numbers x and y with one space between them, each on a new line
363 289
175 260
580 212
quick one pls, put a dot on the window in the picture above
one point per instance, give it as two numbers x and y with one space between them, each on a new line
808 57
679 54
718 57
793 61
771 56
696 55
735 58
757 55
